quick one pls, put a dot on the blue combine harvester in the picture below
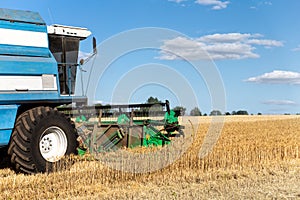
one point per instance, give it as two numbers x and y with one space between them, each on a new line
38 70
38 66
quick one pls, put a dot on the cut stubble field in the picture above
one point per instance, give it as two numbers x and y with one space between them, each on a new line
255 157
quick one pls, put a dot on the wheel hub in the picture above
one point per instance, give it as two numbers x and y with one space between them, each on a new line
46 144
53 144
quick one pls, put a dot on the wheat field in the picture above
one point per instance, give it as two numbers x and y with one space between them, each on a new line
255 157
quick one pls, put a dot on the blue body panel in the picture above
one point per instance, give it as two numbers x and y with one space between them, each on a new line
7 120
25 61
22 65
23 97
22 21
21 16
10 50
22 26
5 137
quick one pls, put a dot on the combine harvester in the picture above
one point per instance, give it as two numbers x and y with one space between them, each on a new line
38 71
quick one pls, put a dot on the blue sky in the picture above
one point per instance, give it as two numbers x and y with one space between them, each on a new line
254 44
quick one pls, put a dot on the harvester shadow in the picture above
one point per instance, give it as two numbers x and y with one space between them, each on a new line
4 159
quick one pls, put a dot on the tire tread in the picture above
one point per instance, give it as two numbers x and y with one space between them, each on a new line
20 151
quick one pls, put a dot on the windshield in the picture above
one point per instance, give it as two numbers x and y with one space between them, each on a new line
65 51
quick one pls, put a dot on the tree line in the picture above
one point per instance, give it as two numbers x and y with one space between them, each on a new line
183 111
196 111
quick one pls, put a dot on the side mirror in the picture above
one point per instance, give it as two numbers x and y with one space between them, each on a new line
94 45
168 106
82 61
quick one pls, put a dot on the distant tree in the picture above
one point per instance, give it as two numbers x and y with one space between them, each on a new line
98 104
195 112
154 108
242 112
233 113
107 111
227 113
259 113
204 114
153 100
180 109
215 113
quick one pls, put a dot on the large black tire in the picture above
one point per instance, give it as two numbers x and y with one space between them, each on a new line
41 138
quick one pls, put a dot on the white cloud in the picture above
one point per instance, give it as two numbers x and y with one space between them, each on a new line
216 47
97 102
266 43
280 102
229 37
297 48
277 77
261 4
264 3
268 3
216 4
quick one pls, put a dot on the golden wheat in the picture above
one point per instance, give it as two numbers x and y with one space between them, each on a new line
248 147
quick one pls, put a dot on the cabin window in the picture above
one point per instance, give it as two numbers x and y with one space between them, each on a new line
65 51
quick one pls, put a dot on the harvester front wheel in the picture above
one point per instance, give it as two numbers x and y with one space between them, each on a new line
42 137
